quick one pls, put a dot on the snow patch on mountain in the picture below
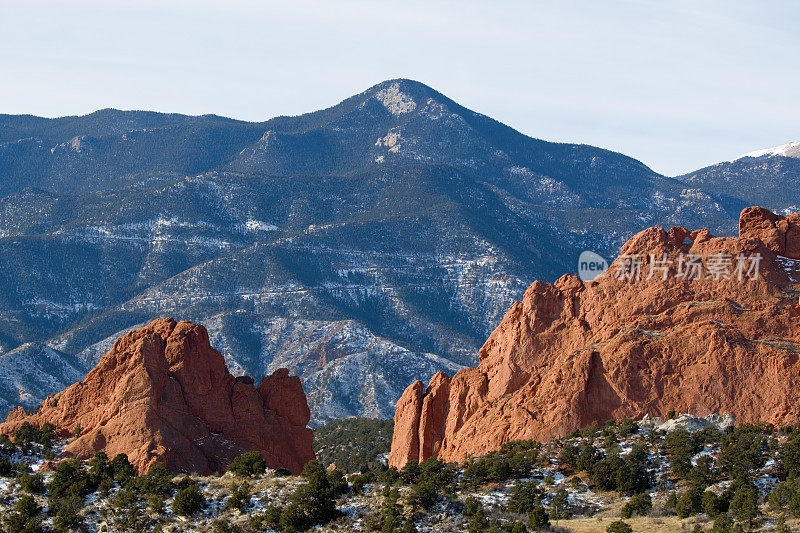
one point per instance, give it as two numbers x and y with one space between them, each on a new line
258 225
791 149
396 101
33 371
391 140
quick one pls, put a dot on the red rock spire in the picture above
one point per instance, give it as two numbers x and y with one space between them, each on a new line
164 394
574 353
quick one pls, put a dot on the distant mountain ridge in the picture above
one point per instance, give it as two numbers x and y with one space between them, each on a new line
769 177
362 246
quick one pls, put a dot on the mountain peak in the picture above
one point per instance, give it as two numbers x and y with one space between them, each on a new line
395 99
402 95
404 84
791 149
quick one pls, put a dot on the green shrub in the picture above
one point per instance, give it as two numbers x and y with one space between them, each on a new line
240 497
390 476
588 456
359 480
6 467
157 481
410 472
619 527
703 473
497 467
789 455
156 504
248 465
569 455
184 482
27 506
515 527
639 504
690 502
5 442
189 500
559 507
25 434
681 445
525 497
24 518
312 503
538 519
478 523
723 524
627 427
743 450
99 468
338 482
672 501
744 504
45 434
125 498
589 432
270 518
471 506
223 526
423 495
626 474
32 483
67 519
714 505
786 495
122 468
69 482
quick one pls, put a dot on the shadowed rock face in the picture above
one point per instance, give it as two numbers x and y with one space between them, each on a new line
162 393
575 353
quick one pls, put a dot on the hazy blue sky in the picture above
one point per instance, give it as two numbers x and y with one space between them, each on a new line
678 84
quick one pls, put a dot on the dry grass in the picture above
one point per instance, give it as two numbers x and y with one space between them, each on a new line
649 524
639 524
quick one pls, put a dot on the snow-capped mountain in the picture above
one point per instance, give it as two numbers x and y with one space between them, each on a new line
785 150
769 177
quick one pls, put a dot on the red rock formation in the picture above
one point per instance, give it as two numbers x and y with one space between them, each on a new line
575 353
164 394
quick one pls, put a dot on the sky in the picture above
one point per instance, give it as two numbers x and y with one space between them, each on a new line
678 84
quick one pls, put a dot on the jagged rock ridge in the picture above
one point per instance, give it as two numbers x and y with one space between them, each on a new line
575 353
163 394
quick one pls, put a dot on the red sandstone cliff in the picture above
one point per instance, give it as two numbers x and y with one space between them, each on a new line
574 353
164 394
